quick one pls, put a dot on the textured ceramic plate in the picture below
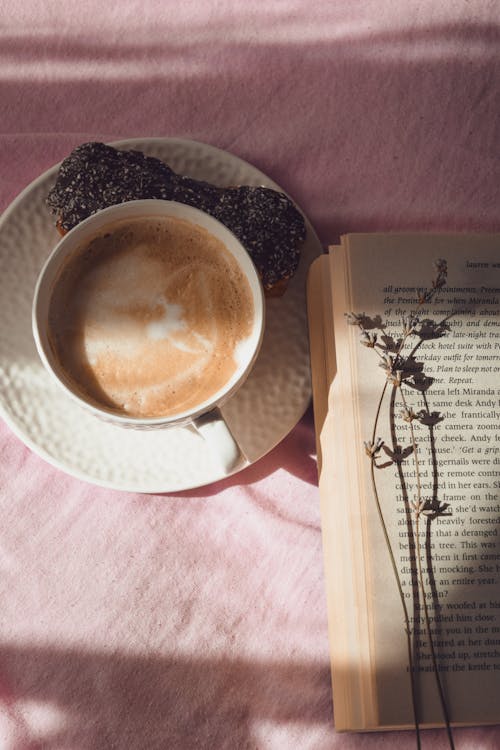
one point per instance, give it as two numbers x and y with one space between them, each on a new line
260 415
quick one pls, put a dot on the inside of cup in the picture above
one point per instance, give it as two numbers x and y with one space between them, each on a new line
64 254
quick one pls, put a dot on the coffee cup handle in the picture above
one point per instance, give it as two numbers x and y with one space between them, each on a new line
220 441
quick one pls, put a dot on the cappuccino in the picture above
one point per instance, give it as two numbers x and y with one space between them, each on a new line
150 318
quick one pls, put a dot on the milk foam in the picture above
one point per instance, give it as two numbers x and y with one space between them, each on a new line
243 351
170 321
152 318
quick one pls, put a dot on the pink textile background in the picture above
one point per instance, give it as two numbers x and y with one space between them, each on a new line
198 620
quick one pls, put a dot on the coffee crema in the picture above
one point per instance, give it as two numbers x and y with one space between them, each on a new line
151 317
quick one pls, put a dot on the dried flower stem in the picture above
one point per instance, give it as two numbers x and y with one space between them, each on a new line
397 576
418 505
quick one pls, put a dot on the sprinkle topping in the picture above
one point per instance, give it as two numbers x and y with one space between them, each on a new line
95 176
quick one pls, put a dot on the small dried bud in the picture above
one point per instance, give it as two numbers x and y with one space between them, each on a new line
368 338
387 363
410 324
396 378
408 414
373 448
441 267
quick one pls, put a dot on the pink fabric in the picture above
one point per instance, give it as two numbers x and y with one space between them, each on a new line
198 620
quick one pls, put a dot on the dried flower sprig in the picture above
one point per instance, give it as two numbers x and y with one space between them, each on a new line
438 282
399 370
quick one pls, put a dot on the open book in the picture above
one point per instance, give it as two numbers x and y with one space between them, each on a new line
408 410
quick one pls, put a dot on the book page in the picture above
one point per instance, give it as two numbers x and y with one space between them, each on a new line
453 455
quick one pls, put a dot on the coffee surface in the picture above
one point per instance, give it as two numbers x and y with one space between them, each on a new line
150 318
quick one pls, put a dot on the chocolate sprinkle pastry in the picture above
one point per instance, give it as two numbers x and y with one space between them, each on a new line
265 221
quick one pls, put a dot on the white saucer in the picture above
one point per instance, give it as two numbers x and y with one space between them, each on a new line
261 414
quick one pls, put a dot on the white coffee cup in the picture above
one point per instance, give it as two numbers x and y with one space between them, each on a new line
205 417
